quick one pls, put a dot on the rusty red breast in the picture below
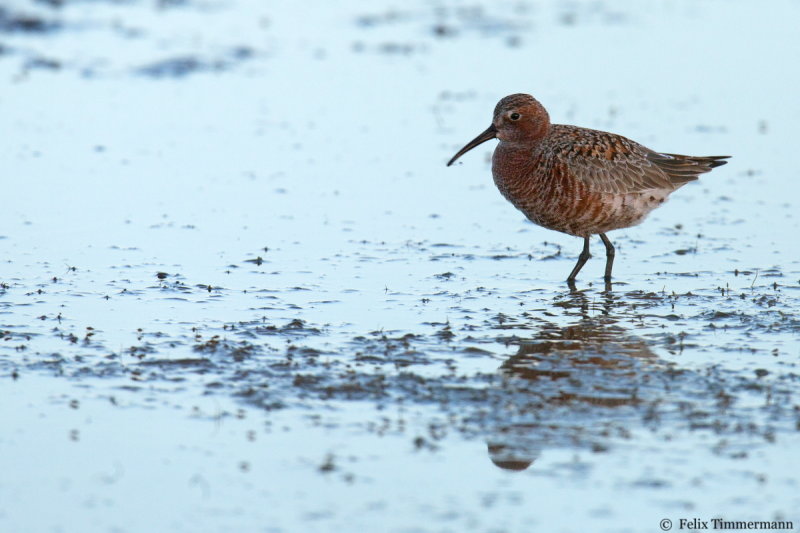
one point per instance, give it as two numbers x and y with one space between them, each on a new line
576 180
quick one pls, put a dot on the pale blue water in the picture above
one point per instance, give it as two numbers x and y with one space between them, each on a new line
405 325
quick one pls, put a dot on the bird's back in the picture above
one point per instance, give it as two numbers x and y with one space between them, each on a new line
607 162
582 181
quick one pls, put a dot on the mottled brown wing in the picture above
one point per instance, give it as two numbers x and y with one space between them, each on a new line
685 168
606 162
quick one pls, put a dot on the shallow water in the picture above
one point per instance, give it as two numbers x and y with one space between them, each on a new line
241 291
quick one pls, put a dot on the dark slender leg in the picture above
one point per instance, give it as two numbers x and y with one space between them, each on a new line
609 256
585 255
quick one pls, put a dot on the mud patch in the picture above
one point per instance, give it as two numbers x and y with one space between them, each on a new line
184 66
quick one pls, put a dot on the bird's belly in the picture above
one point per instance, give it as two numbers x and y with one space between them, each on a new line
582 212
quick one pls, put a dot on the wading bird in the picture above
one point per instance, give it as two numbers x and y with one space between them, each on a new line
576 180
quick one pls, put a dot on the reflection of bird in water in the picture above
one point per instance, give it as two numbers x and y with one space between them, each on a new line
571 386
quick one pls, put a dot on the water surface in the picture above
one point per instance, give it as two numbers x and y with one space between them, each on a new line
242 292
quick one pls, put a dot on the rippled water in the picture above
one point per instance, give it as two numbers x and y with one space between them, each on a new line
241 291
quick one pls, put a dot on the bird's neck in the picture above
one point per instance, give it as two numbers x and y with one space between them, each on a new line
514 158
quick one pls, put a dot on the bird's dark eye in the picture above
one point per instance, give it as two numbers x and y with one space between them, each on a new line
514 116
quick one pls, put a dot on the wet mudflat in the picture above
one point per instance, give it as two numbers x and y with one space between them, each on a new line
241 292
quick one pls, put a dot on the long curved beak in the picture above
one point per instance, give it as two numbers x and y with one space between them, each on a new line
488 135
